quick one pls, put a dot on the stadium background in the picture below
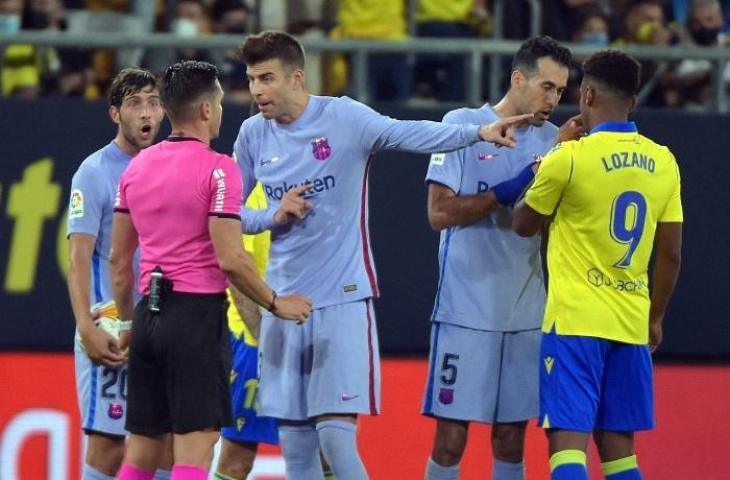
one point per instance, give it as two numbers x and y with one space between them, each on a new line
45 138
39 432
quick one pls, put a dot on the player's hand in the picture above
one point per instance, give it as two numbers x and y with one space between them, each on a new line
502 132
101 347
292 307
572 129
125 338
293 206
655 333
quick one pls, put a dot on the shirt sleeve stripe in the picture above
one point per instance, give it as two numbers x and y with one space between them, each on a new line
224 215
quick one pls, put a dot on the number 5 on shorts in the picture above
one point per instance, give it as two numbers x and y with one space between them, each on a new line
448 369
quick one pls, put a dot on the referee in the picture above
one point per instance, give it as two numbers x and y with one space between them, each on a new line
181 201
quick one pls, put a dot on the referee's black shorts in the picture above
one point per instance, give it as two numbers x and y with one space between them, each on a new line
179 366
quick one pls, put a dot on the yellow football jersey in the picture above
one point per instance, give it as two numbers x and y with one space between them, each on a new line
607 191
258 247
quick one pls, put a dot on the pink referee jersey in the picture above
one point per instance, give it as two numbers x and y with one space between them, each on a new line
169 190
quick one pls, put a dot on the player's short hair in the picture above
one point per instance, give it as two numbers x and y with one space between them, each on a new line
270 46
182 86
128 82
525 60
615 70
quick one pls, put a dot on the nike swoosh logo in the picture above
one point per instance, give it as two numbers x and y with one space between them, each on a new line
346 397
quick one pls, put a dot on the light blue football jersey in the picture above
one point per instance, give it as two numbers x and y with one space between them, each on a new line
90 211
327 255
490 278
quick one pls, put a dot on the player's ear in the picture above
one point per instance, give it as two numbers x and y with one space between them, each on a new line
634 102
516 79
114 114
298 76
205 109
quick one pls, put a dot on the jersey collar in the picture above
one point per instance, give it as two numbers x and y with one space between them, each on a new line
617 127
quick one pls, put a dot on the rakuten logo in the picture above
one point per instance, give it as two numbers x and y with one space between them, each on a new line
319 185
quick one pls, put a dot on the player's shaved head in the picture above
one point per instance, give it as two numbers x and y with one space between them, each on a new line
183 85
615 71
272 45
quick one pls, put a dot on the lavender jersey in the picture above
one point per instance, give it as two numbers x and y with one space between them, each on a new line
327 255
91 207
489 277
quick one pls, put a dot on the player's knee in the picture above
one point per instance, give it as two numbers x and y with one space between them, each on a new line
508 442
449 447
105 453
235 468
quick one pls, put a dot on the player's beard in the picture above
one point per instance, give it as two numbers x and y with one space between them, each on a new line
130 137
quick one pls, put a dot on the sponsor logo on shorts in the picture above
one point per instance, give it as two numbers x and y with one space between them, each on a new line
115 411
446 396
549 361
347 397
240 423
350 288
76 204
321 148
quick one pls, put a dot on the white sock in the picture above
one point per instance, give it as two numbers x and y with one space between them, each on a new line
338 439
434 471
507 470
90 473
300 447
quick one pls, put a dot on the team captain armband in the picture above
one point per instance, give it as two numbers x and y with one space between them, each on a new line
226 189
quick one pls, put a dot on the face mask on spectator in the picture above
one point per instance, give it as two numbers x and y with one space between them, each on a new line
185 28
9 24
598 39
705 36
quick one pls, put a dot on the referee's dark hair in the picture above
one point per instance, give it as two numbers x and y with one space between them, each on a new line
525 60
272 45
128 82
615 70
183 85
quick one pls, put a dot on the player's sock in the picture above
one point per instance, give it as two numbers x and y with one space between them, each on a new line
130 472
434 471
508 470
181 471
568 465
338 439
300 447
220 476
161 474
622 469
90 473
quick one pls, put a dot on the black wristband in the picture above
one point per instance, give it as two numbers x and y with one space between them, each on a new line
272 307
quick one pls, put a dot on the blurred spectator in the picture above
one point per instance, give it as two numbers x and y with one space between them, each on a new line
689 84
231 17
592 28
190 19
644 22
64 71
19 76
389 75
444 76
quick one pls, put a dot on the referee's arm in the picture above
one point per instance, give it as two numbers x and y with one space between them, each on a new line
121 270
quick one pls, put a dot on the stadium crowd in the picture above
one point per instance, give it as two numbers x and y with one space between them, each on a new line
30 71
